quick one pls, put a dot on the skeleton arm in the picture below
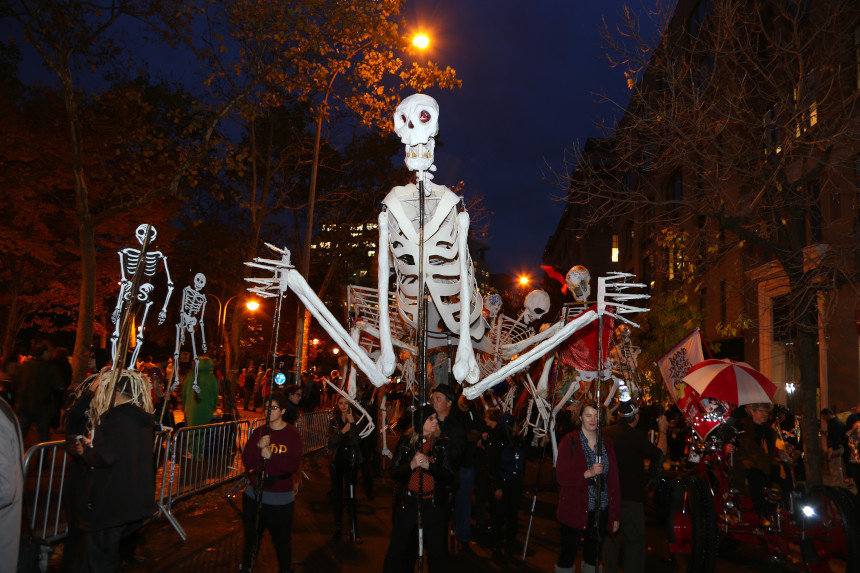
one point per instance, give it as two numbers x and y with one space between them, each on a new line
515 348
163 314
123 288
202 329
526 359
387 360
309 298
364 415
465 367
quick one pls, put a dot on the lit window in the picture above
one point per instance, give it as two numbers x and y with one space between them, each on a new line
371 253
614 248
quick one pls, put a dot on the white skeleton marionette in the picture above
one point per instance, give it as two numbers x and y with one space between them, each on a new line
448 272
193 304
129 259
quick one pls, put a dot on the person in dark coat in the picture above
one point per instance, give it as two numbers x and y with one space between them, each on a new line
507 462
345 448
632 448
118 493
422 473
39 383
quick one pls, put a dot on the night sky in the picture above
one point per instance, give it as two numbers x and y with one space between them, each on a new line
530 72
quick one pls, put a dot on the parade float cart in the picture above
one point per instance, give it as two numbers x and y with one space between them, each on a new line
705 509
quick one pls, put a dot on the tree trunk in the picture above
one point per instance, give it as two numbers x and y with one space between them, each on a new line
87 304
12 325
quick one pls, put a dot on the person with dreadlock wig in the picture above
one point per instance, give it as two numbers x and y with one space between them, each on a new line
118 492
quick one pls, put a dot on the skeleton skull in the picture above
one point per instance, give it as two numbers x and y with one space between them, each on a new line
537 304
416 122
140 233
493 304
578 279
199 281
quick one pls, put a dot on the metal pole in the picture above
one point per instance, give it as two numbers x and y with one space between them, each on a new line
422 363
598 458
258 489
554 375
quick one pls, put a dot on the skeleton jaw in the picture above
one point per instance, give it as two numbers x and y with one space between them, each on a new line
419 157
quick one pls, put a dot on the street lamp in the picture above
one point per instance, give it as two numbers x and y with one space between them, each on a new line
420 41
524 280
790 387
251 305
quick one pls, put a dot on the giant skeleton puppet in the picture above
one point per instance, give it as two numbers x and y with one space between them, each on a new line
193 304
129 261
447 265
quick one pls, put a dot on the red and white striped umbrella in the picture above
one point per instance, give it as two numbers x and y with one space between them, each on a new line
734 382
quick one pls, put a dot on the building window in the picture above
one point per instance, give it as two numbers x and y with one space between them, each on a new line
614 248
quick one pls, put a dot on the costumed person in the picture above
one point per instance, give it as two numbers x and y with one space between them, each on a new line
344 443
427 451
576 470
118 456
483 485
507 455
280 444
199 407
756 461
11 485
632 448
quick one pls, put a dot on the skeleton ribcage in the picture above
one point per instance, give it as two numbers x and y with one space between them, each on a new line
441 261
505 331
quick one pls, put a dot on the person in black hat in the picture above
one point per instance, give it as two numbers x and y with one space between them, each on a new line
421 470
632 448
464 435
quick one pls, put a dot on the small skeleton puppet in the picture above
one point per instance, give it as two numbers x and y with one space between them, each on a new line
129 259
625 358
447 265
193 304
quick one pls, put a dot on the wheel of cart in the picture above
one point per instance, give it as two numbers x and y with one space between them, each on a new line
691 526
830 525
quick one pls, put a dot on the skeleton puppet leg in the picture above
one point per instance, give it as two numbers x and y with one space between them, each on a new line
465 367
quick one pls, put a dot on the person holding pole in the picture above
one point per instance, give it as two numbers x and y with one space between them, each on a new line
280 445
581 498
422 472
632 448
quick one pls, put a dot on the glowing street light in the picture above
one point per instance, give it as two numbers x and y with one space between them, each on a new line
315 341
252 305
335 351
524 280
420 41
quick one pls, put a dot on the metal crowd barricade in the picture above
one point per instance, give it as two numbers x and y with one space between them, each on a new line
313 426
44 490
198 458
191 460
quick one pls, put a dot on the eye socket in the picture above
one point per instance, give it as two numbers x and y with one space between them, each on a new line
539 311
424 116
403 117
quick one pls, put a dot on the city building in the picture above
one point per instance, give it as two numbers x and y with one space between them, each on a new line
734 175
